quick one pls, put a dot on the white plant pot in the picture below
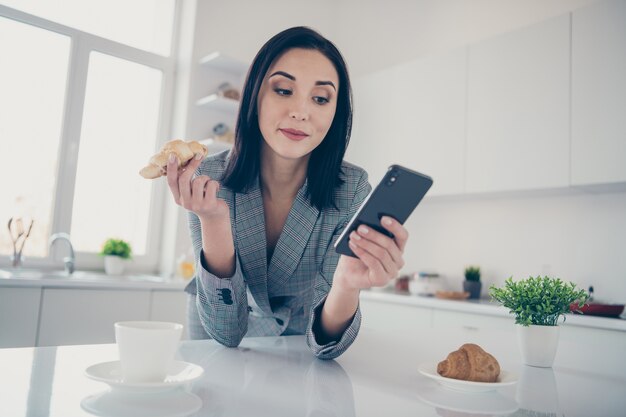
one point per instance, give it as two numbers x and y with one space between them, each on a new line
114 265
538 344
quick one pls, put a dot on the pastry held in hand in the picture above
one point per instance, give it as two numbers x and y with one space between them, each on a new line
184 152
470 363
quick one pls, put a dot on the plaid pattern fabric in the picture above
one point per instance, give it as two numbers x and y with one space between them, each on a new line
280 298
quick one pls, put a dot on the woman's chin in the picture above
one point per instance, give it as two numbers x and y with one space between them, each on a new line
291 151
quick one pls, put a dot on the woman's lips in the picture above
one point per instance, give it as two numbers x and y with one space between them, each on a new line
294 134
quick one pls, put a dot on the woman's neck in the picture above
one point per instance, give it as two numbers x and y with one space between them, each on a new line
281 178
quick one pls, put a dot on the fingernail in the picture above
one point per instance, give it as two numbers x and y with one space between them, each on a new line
363 229
198 156
355 236
172 157
387 221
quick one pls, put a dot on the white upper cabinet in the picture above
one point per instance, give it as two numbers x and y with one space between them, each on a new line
518 109
599 93
413 115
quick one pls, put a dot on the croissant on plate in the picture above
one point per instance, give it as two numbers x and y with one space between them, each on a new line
470 363
157 166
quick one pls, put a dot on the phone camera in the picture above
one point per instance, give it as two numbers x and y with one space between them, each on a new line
393 175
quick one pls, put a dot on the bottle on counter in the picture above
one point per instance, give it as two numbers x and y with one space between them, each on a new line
185 266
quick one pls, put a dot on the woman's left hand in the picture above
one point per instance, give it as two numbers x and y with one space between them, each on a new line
380 257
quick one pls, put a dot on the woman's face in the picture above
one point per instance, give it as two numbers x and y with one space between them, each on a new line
297 102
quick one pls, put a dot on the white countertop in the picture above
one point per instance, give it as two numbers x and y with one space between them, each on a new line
487 307
279 376
98 281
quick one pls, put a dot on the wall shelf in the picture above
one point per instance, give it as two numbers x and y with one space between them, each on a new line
215 102
219 61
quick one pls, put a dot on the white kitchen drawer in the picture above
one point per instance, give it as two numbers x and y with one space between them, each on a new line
169 306
468 321
75 317
391 317
19 312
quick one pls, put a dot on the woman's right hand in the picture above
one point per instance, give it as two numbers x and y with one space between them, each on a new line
199 194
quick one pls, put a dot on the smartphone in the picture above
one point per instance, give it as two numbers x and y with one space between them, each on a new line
397 195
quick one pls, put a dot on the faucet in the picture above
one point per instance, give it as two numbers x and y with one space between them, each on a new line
68 260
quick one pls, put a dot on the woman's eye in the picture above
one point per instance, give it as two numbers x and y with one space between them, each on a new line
320 100
282 92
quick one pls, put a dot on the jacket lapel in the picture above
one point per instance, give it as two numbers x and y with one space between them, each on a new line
251 244
293 239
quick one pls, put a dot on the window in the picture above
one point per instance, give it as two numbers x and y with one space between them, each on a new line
143 24
33 75
111 199
79 116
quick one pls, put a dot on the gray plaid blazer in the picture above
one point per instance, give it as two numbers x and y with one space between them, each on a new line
281 298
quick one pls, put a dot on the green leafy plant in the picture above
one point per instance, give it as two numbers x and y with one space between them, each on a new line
116 247
539 301
472 273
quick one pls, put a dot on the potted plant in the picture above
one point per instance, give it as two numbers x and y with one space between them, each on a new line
115 252
538 303
472 282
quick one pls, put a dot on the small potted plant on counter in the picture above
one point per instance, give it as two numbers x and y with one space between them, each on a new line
472 282
538 303
115 252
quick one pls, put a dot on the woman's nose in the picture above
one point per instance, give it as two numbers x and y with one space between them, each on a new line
299 112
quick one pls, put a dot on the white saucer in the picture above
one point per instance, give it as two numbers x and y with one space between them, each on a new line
505 379
116 403
111 373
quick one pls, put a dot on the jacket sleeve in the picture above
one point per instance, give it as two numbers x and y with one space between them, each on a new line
222 302
323 283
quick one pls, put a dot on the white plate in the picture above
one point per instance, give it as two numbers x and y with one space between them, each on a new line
505 379
111 373
117 403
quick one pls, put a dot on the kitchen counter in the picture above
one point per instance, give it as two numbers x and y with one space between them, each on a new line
98 281
485 307
279 376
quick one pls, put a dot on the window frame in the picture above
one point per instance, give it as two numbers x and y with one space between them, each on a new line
81 46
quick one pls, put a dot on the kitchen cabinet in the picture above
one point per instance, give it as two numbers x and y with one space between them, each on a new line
19 313
518 109
396 318
599 93
411 315
84 316
445 319
169 306
414 115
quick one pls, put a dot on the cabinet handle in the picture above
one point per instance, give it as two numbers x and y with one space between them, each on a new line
470 328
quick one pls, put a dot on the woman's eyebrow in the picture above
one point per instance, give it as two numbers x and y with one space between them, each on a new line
292 78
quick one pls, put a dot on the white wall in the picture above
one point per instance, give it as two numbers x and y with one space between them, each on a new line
580 237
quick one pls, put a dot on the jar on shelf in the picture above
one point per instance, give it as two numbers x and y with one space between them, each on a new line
226 90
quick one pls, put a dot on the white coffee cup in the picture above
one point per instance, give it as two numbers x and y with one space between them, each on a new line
147 349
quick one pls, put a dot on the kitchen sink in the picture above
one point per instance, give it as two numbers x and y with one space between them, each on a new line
35 273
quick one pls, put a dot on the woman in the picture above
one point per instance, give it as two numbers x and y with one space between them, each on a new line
264 217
